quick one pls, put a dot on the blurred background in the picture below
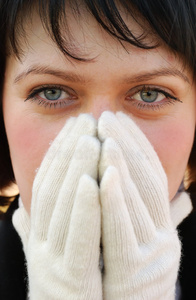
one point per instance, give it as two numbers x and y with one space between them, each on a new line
9 193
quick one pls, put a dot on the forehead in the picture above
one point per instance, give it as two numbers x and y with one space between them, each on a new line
124 23
75 24
86 39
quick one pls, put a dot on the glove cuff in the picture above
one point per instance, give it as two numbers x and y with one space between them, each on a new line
180 207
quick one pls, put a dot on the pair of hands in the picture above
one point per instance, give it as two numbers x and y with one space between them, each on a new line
70 214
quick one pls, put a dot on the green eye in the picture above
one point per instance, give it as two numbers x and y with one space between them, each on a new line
52 94
149 96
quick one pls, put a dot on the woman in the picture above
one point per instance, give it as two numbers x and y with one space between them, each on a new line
126 77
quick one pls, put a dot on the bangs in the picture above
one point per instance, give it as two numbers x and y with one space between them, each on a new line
53 14
171 22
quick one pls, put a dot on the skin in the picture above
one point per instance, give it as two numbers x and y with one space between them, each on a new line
109 81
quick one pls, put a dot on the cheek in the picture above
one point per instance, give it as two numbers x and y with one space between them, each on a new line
29 138
29 142
173 143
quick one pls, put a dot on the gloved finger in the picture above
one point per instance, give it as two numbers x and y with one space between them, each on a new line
83 242
84 161
143 143
111 155
53 170
21 222
123 129
118 236
150 172
131 140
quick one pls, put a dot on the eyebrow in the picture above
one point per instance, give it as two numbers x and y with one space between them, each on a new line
37 70
159 73
72 77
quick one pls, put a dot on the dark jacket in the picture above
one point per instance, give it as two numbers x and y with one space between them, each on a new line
13 277
187 278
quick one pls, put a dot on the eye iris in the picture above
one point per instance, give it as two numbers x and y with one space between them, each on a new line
52 94
149 96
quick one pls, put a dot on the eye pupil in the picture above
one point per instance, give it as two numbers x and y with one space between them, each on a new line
149 96
52 94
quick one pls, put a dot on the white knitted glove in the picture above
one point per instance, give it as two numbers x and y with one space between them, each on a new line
123 130
62 237
141 249
180 208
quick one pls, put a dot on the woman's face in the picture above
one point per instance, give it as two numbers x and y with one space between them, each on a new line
45 88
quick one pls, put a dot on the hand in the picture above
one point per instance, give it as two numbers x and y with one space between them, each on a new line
141 249
62 238
125 132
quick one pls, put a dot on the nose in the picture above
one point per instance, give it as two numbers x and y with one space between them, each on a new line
98 105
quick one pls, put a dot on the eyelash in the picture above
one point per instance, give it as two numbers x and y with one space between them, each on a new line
141 105
154 105
33 96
